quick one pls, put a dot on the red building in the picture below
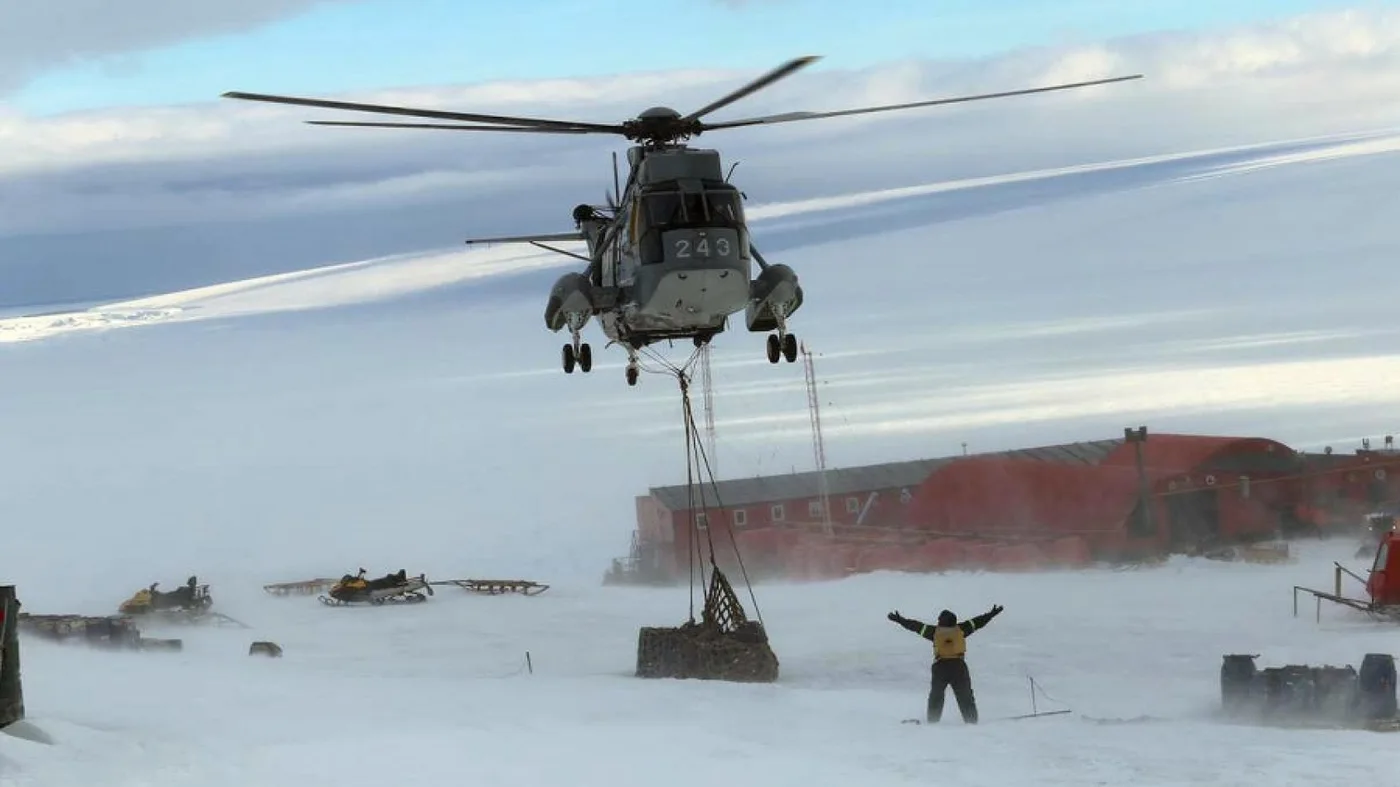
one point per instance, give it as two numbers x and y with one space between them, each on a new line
1202 490
1082 499
870 497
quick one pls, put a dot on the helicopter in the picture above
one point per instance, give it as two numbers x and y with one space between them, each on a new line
669 257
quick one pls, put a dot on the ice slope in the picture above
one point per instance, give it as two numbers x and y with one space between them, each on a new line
439 692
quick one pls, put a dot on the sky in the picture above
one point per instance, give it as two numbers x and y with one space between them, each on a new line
82 54
112 188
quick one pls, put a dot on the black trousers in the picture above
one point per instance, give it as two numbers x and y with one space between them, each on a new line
951 673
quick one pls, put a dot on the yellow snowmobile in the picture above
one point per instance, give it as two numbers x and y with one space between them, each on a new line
189 599
395 588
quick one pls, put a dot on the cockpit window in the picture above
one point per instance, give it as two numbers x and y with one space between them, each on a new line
672 209
724 206
664 209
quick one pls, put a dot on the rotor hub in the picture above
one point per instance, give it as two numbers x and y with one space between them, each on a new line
659 112
659 126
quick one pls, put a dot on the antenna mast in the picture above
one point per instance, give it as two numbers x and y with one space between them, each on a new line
818 448
708 393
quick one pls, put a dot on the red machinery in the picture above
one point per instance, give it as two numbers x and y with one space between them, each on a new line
1382 586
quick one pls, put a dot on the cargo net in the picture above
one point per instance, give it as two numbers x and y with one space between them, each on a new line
725 644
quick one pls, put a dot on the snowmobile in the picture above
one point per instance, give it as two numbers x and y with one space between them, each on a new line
395 588
190 600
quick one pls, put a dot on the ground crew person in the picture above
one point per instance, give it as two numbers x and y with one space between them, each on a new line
949 638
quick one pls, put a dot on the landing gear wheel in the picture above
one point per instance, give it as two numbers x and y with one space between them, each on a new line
775 348
790 348
632 375
569 359
585 358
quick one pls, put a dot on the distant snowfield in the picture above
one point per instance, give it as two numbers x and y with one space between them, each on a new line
375 279
440 693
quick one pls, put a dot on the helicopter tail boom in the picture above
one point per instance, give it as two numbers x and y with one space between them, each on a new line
556 236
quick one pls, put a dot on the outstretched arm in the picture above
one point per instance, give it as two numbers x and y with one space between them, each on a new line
979 622
917 626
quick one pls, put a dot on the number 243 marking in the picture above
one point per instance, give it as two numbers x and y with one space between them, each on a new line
702 247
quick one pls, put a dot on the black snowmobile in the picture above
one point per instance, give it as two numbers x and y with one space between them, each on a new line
395 588
190 597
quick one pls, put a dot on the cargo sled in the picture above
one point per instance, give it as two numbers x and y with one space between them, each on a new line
395 588
100 631
496 587
1298 695
304 587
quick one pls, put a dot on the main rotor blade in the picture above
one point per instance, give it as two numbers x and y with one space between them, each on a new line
788 117
756 85
449 127
557 236
382 109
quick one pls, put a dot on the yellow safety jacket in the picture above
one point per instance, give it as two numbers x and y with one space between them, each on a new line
949 642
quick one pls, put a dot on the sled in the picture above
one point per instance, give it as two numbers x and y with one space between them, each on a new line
396 588
955 720
496 587
303 587
110 630
1266 554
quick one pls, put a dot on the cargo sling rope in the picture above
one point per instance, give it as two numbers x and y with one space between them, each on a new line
721 605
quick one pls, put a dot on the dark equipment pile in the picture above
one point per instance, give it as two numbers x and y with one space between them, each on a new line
1307 696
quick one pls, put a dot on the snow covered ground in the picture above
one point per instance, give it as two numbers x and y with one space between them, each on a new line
410 412
440 693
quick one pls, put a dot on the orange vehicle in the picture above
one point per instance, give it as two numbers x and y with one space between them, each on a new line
1382 584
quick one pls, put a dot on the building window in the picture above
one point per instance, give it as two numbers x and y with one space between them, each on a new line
702 521
814 508
741 517
777 512
853 505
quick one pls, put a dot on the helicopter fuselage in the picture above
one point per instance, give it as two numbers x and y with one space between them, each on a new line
674 261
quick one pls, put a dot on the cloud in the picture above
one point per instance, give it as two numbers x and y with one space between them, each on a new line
37 36
107 203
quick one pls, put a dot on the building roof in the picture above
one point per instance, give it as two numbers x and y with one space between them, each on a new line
796 486
867 478
1088 453
1183 453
